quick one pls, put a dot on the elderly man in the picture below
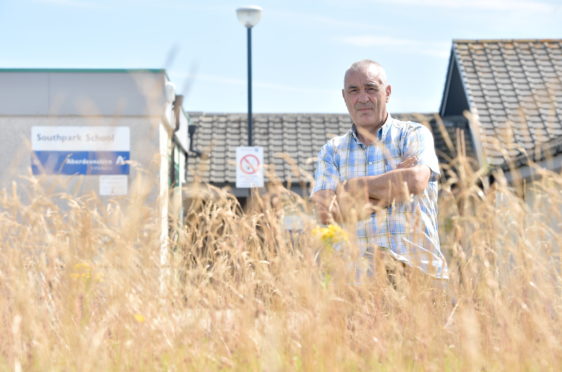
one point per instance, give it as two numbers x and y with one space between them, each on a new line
382 175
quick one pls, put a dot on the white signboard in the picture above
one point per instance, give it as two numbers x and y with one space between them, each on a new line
87 150
293 222
249 167
113 185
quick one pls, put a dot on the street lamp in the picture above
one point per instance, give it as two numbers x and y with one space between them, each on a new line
249 16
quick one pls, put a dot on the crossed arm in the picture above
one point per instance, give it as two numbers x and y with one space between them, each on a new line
361 196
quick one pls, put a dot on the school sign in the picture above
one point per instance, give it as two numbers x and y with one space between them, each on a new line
84 150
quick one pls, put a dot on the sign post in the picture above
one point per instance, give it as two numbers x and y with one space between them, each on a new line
249 166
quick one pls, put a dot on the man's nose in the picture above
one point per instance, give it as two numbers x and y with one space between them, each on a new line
363 97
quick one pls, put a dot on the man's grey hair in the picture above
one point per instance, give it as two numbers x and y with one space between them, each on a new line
367 62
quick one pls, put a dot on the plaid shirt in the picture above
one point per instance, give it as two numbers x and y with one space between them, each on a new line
408 229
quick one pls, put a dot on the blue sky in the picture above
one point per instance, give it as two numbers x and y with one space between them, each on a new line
300 48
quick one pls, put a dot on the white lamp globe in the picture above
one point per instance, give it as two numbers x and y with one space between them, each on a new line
249 16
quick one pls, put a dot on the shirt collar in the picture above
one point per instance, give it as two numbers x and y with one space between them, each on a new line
381 133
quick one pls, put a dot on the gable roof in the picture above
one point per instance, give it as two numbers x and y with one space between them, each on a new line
291 142
514 90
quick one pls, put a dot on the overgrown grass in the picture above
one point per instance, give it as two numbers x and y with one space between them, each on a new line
82 288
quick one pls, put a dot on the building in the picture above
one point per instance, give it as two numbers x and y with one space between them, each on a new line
84 131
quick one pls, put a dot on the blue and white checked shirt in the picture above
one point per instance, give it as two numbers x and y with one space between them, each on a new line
409 229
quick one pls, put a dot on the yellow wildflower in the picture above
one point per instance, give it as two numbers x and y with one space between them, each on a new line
331 235
84 271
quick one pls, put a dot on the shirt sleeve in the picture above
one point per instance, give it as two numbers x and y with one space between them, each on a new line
419 143
326 176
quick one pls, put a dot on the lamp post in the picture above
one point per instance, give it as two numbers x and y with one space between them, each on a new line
249 16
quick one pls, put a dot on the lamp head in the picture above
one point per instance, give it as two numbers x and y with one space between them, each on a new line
249 16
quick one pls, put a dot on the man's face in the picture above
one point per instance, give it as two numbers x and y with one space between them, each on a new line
366 96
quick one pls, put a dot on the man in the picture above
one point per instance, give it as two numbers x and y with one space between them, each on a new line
382 173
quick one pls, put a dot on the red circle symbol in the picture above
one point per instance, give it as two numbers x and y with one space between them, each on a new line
249 164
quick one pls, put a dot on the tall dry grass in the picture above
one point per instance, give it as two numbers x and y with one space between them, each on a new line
81 288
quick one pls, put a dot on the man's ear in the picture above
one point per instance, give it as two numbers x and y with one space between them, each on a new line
343 93
388 91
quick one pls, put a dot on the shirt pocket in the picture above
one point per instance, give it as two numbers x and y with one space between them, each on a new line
376 167
352 165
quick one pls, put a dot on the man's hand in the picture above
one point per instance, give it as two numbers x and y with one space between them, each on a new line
343 206
326 206
408 162
353 198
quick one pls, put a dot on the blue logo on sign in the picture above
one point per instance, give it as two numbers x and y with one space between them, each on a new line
80 162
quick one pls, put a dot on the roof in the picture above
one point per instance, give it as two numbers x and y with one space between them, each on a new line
86 70
514 90
291 142
83 92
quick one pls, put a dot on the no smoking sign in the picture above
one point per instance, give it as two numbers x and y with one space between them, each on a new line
249 166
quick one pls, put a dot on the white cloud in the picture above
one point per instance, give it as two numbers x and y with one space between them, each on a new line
502 5
369 40
211 78
70 3
310 18
436 49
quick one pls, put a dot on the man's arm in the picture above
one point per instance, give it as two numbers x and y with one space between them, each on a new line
358 197
396 185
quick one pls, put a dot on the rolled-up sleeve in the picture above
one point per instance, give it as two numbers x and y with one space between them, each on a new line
326 175
419 143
